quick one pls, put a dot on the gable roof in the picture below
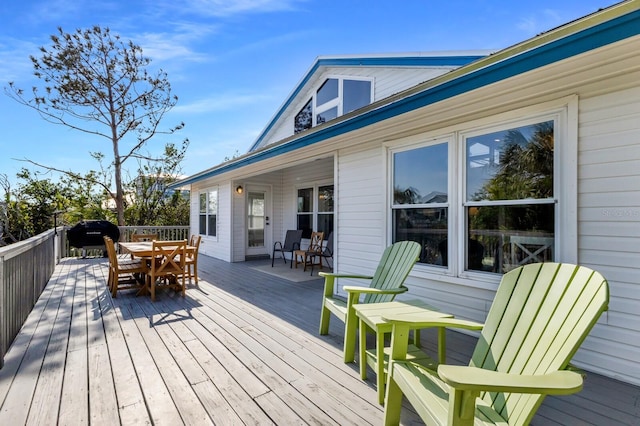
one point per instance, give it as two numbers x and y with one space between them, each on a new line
616 23
413 60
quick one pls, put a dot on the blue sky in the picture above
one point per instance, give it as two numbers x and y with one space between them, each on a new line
232 63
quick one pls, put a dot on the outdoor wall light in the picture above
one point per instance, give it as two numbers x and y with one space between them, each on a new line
239 189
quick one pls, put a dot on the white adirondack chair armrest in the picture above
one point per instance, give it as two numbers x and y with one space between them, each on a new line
426 319
478 379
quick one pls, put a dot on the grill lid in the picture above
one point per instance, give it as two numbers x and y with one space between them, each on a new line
89 233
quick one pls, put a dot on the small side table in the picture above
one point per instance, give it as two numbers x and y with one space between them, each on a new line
370 319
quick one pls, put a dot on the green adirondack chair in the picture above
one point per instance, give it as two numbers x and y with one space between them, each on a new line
541 314
394 267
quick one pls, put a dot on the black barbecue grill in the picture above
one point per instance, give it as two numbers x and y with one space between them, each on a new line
89 234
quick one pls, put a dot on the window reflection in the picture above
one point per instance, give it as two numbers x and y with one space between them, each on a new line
327 92
305 211
420 176
511 236
327 115
325 198
303 119
335 97
511 164
428 227
356 94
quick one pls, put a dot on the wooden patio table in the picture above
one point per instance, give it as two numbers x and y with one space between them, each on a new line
144 250
371 320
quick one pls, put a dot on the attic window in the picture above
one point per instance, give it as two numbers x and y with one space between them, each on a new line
335 97
304 118
327 92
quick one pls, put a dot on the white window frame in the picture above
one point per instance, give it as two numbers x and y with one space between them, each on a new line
337 102
206 192
316 194
418 143
564 112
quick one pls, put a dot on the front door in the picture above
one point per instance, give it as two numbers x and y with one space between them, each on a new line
258 221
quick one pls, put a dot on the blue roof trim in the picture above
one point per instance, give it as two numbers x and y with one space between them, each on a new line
583 41
398 61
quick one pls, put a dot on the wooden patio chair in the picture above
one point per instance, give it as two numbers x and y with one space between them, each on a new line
167 262
541 314
291 243
123 274
315 246
143 237
387 282
191 262
325 253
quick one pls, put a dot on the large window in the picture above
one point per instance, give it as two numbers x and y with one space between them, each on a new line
506 209
335 97
315 209
208 212
420 200
509 202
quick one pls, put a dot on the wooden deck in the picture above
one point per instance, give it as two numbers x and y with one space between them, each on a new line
241 348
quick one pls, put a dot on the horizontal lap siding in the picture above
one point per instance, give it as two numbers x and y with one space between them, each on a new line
219 246
609 226
361 205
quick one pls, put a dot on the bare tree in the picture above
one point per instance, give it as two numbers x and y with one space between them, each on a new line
97 84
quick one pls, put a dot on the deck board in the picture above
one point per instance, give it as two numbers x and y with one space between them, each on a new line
241 348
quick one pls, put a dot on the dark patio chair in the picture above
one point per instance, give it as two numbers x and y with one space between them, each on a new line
291 243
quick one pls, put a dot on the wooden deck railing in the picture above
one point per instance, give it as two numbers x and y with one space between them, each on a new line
164 233
25 269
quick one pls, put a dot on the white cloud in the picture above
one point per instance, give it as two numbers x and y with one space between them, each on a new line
234 7
169 46
14 59
219 102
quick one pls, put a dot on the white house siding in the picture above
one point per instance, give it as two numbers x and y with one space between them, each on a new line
218 246
386 82
238 234
361 204
609 224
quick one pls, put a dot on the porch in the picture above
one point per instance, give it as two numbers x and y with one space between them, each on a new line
242 347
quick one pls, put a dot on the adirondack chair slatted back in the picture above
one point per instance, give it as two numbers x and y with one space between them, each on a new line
541 314
394 267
